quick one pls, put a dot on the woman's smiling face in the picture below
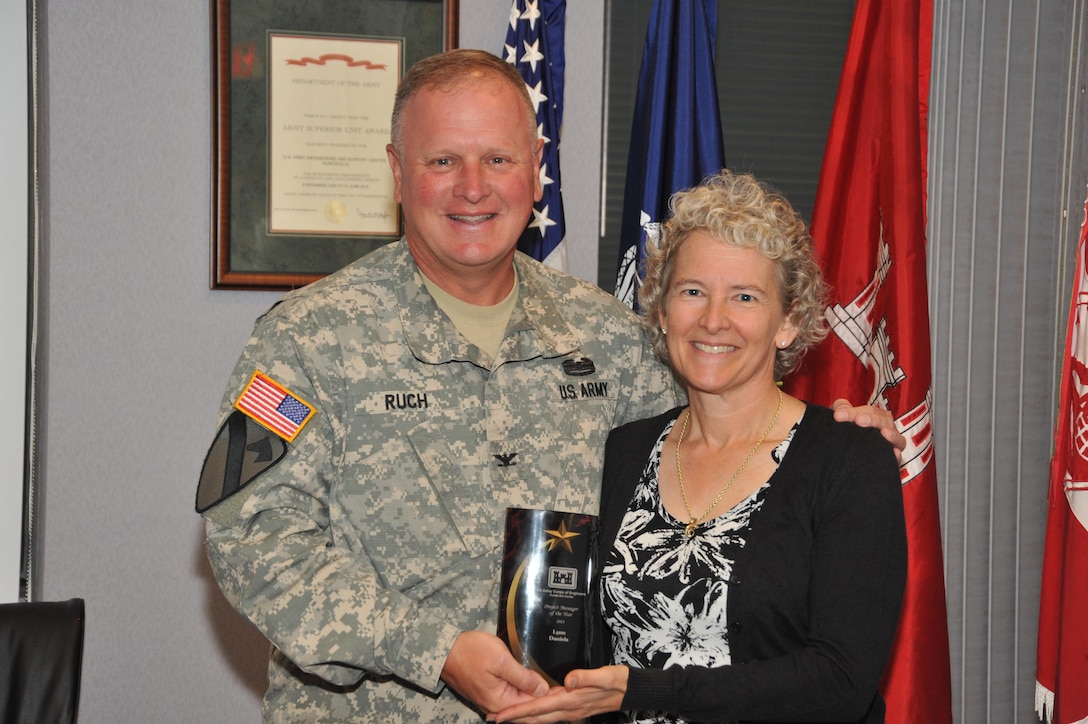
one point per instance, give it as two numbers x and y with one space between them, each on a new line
723 315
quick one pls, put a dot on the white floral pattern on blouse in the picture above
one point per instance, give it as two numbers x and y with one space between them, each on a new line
663 594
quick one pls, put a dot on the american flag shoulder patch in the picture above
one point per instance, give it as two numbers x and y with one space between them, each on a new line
271 404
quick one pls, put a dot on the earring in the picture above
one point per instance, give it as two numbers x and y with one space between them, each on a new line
663 331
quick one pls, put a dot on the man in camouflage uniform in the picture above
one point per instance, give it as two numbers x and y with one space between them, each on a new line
380 421
367 548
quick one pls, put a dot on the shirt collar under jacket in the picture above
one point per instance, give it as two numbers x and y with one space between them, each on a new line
537 326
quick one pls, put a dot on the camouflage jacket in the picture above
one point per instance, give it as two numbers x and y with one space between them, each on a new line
377 538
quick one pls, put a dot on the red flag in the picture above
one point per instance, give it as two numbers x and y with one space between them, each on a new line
869 227
1061 671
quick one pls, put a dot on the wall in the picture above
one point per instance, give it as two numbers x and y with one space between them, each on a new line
139 349
14 192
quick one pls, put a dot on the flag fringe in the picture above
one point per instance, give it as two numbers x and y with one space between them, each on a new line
1044 703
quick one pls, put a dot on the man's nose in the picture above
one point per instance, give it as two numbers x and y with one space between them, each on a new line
472 183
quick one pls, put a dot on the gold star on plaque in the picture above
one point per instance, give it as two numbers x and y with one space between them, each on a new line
560 537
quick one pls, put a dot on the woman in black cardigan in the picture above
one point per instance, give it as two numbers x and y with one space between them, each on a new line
753 551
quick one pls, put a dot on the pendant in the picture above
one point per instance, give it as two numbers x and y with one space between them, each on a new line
689 529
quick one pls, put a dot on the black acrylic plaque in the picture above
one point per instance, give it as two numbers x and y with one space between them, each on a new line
545 608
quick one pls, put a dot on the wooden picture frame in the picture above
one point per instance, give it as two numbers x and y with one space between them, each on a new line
302 91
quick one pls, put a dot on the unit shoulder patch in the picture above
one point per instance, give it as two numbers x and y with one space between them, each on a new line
242 450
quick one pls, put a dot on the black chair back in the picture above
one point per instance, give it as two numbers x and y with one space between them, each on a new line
41 661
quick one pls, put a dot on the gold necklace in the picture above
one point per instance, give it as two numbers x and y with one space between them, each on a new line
689 529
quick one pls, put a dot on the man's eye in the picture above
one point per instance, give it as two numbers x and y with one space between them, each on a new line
497 161
746 297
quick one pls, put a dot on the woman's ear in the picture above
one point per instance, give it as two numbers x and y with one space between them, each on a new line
786 334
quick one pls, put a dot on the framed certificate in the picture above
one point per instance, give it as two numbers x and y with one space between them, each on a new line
303 93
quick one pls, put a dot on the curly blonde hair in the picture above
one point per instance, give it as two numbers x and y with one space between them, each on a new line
739 210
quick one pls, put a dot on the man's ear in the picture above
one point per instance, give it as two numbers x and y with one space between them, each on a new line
538 185
394 165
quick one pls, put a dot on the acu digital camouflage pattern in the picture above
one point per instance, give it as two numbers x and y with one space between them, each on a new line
377 539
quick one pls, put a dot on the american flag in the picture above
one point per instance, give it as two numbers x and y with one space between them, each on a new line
534 45
274 406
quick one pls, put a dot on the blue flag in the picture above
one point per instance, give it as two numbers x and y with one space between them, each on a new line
534 45
676 135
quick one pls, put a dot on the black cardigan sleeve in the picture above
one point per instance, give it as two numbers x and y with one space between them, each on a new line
814 605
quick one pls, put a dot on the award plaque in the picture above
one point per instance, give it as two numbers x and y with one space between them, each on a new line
545 606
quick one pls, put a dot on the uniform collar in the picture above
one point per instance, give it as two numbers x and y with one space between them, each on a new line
537 327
